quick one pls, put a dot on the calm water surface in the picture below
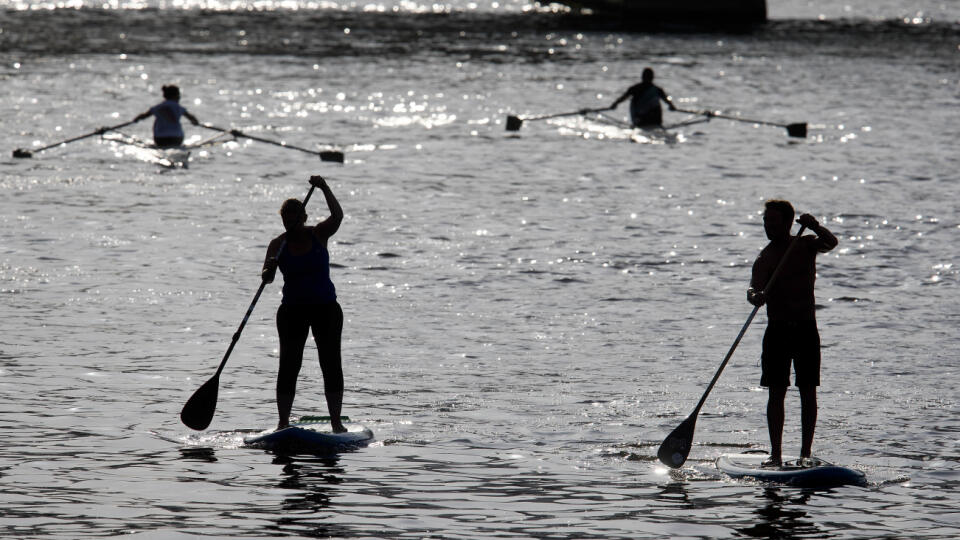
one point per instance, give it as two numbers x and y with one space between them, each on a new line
527 314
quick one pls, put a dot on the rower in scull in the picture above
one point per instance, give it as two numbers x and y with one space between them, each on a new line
167 131
645 100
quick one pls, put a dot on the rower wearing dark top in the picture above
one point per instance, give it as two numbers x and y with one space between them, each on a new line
167 131
645 100
309 302
791 334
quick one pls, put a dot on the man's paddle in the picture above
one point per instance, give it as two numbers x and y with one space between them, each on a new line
793 130
197 413
515 122
327 155
24 153
675 448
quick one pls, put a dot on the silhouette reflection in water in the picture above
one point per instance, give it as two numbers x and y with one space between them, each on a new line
307 509
783 517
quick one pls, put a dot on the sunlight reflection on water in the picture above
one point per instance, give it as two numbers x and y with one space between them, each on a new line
527 314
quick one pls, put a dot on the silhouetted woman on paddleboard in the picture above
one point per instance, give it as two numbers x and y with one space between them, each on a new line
309 302
167 131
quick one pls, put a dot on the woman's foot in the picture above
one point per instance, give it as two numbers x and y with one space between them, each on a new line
338 427
283 424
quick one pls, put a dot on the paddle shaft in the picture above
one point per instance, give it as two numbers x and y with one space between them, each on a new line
743 330
79 137
236 335
238 133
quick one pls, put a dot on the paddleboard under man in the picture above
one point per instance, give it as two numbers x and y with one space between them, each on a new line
645 98
309 302
791 335
167 131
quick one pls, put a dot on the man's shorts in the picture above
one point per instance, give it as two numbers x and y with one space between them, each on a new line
786 341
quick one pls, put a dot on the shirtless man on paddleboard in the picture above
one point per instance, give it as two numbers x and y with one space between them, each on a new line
791 334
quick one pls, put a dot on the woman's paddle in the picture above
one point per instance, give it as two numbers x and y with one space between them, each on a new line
515 122
328 155
24 153
198 412
793 130
675 448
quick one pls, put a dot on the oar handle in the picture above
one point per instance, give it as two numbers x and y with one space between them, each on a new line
743 330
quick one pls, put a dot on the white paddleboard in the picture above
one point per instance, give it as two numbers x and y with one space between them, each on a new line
814 473
311 437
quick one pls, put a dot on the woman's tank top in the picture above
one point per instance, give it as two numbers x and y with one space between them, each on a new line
166 121
306 278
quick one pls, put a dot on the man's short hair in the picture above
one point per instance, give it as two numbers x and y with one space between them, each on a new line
784 208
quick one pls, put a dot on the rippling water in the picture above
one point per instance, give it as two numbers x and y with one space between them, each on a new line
527 314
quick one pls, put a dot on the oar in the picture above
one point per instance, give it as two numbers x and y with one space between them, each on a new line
613 121
514 122
24 153
794 130
675 448
198 411
327 155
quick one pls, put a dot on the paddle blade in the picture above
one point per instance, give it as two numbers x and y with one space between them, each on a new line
675 448
797 130
331 155
514 123
198 412
21 153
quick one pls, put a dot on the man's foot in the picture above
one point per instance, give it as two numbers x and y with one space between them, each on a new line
338 428
283 424
772 463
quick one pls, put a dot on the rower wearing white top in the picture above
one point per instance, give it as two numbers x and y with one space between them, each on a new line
645 108
167 131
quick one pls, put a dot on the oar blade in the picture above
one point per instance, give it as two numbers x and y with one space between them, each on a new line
198 412
797 130
331 155
675 448
21 153
514 123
